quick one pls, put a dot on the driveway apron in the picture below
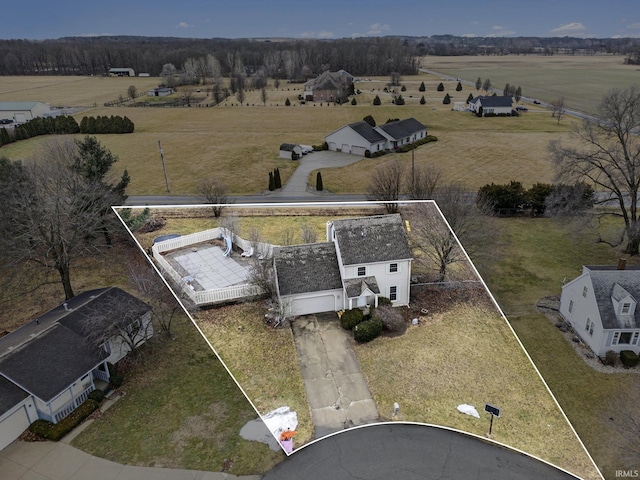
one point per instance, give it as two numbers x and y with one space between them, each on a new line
337 391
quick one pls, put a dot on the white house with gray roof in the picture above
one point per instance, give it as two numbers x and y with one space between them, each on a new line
601 306
359 137
21 112
363 259
491 105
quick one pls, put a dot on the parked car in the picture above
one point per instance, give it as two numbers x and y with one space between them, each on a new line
521 108
5 121
306 149
536 101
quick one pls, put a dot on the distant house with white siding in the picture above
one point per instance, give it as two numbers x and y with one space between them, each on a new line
21 112
491 105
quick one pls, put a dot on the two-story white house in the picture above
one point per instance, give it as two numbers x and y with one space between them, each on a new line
363 259
601 306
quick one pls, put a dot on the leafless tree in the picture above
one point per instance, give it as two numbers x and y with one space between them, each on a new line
215 193
186 95
423 182
288 236
309 235
486 86
230 225
438 240
386 183
263 95
395 79
146 280
261 266
605 153
558 109
58 214
132 91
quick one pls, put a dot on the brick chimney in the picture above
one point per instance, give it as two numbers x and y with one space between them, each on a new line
622 263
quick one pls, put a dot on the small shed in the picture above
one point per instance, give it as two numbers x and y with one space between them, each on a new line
160 92
290 151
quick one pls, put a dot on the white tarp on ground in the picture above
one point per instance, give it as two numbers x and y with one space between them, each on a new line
268 429
468 409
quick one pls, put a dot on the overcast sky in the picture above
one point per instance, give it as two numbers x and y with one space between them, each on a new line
40 19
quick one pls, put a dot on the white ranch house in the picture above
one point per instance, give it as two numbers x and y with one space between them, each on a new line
363 259
601 306
359 138
50 365
493 104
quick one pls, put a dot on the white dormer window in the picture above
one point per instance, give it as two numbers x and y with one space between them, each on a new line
626 308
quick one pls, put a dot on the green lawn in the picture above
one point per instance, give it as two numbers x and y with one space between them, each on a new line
180 409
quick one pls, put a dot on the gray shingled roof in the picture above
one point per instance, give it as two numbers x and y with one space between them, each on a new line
494 101
402 128
604 281
105 310
307 268
367 132
379 238
51 362
355 286
10 395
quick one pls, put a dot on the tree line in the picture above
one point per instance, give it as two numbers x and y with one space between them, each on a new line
289 59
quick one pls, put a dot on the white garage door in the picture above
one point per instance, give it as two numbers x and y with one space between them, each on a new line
12 426
304 306
346 148
358 150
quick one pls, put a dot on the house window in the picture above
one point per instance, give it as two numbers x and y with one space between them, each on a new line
625 338
393 293
362 271
393 267
586 327
591 329
584 292
626 307
634 340
570 306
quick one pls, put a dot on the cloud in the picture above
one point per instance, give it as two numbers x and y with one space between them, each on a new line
184 25
633 26
569 29
469 35
500 31
317 35
377 29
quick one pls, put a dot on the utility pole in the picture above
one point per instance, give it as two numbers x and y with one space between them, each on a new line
164 167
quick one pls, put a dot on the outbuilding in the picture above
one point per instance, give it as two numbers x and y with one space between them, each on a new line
493 105
122 72
21 112
290 151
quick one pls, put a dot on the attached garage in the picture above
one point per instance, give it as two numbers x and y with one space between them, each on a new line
317 303
17 412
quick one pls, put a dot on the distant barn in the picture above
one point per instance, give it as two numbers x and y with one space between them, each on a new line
122 72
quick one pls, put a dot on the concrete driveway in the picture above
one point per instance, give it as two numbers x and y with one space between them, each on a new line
337 391
297 184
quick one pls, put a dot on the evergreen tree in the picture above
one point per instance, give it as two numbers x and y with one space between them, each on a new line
377 101
319 185
370 120
399 100
287 102
518 94
478 83
422 88
353 101
84 125
447 99
272 185
441 87
276 178
403 89
422 101
469 98
459 87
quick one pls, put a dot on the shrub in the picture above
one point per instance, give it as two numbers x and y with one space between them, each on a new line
447 99
399 100
116 379
610 358
287 102
351 318
629 358
97 395
319 186
377 101
441 87
422 101
422 88
353 101
391 318
55 432
367 330
458 87
384 301
403 89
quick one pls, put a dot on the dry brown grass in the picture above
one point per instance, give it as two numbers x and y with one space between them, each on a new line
469 355
262 359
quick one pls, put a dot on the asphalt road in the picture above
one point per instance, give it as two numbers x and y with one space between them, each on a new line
407 452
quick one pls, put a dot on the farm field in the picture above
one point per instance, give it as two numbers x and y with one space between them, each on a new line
239 144
581 80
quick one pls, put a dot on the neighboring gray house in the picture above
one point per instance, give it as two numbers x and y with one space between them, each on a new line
290 151
601 306
360 137
50 365
160 92
363 259
21 112
493 104
329 87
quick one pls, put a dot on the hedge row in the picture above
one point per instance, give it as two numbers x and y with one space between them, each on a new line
39 126
55 431
104 124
